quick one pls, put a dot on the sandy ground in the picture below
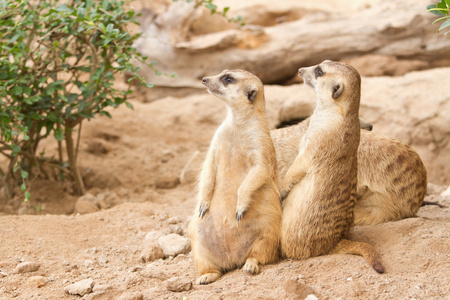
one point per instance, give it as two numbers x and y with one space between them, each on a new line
132 163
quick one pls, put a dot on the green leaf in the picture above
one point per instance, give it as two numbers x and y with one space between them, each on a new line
434 10
129 105
59 134
105 113
102 27
27 196
15 149
23 187
17 90
24 174
109 28
445 24
63 8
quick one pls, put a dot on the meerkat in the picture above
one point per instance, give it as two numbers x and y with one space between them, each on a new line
392 179
320 187
238 216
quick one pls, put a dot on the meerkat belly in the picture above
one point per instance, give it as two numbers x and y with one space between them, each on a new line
228 241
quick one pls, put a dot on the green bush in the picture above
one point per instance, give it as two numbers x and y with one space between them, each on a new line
441 9
58 64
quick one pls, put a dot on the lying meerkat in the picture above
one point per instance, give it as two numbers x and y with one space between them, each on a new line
392 179
238 215
321 185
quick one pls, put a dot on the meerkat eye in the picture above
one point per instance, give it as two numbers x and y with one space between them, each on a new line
227 79
319 72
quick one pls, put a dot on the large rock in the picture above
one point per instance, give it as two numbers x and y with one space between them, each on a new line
402 33
174 244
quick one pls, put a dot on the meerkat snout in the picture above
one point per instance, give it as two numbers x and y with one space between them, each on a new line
205 80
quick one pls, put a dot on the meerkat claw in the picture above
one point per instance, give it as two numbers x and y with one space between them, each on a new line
202 211
239 215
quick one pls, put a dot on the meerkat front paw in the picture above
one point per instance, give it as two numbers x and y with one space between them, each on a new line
240 213
208 278
251 266
203 208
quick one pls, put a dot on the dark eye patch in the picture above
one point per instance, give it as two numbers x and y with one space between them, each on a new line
318 72
227 79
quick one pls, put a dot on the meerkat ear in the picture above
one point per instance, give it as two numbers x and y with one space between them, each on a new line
251 94
338 88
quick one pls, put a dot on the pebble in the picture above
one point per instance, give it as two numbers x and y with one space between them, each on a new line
179 284
152 252
103 259
153 235
132 296
174 244
81 288
3 274
36 281
311 297
101 288
446 193
88 263
27 267
83 207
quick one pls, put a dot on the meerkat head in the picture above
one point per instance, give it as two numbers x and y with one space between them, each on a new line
336 84
237 88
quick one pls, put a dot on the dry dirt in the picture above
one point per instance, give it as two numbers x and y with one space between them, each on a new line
132 164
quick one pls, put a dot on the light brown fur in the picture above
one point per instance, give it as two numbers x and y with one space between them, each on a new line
238 216
392 179
321 185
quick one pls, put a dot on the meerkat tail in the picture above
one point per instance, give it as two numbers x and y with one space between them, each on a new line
359 248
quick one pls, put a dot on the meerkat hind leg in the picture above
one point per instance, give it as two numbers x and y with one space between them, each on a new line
359 248
251 266
208 277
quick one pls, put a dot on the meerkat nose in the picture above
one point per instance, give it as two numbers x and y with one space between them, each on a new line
204 81
300 72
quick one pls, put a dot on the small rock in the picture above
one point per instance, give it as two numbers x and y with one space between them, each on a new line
103 259
83 207
132 296
151 253
311 297
174 244
27 267
71 268
88 263
36 281
81 288
136 268
153 235
446 193
179 284
176 229
101 288
3 274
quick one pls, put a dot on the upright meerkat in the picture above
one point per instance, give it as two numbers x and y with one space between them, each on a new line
392 179
238 216
320 186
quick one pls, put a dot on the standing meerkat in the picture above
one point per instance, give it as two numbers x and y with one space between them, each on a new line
392 179
321 185
238 216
